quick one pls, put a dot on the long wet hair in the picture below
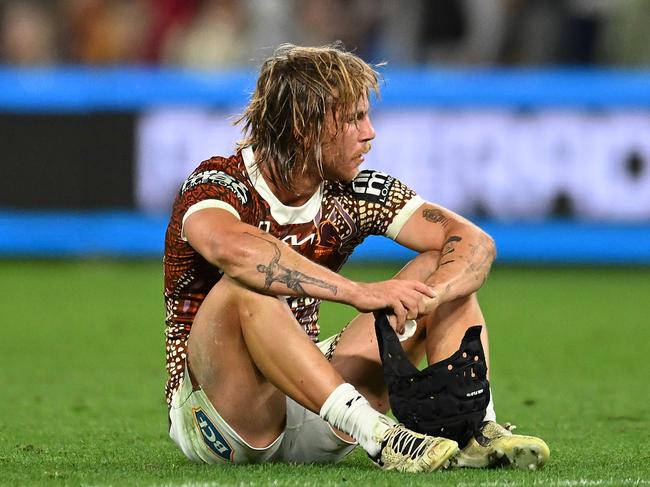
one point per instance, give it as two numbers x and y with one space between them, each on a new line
298 89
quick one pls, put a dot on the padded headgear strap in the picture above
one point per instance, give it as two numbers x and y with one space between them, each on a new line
447 398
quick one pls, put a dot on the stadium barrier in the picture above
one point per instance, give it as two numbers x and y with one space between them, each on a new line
83 90
135 234
77 141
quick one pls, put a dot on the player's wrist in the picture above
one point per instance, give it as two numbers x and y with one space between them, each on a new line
430 305
442 295
351 291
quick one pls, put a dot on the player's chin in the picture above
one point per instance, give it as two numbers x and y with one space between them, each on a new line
344 174
349 176
351 173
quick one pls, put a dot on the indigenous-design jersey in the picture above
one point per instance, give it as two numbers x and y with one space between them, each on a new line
326 229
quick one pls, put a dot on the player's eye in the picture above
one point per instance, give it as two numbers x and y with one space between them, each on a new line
357 117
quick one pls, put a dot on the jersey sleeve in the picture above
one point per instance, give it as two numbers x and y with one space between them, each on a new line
384 203
210 186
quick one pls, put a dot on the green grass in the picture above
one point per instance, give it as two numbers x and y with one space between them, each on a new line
82 373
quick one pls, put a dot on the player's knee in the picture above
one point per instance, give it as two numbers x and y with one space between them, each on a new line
235 291
421 267
429 260
250 302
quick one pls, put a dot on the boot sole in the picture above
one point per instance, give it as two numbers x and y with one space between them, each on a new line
526 453
446 459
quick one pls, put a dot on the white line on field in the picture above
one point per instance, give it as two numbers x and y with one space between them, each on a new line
559 483
494 483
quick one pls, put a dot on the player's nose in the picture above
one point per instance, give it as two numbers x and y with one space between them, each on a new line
367 131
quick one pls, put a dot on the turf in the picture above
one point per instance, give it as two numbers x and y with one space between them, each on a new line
82 374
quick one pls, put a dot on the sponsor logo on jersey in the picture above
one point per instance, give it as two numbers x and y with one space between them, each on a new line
220 178
298 240
373 186
291 240
213 439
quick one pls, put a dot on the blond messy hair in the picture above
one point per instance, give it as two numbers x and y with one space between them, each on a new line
298 88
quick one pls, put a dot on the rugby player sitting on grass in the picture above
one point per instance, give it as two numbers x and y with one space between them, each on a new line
253 247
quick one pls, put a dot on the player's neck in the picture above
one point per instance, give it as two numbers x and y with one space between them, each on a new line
304 189
297 197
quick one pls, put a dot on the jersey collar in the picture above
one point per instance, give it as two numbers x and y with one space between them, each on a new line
283 214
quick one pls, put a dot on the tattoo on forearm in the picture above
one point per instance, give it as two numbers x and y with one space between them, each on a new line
477 257
294 280
449 248
435 216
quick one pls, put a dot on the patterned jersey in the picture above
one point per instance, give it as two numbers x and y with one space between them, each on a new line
326 230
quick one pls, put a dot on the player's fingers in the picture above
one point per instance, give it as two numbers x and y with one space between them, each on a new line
400 317
418 286
423 306
412 305
424 289
418 293
416 304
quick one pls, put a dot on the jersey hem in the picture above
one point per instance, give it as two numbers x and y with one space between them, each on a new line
202 205
403 216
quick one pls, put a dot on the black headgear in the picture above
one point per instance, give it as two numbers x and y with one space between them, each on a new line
447 398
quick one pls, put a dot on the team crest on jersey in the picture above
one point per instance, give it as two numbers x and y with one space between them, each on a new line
213 439
220 178
372 186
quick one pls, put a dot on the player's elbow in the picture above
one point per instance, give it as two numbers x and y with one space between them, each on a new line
483 247
226 252
488 245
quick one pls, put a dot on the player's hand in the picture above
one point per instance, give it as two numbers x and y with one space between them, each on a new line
430 304
407 299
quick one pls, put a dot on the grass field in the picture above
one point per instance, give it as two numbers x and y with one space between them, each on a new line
82 373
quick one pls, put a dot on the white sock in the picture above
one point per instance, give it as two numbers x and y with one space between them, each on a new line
490 415
347 410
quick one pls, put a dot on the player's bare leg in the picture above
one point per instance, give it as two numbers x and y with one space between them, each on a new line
247 351
438 336
241 345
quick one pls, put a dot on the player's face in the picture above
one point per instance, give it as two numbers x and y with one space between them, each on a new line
343 155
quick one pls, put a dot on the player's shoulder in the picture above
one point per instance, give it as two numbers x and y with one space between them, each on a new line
371 185
233 165
227 172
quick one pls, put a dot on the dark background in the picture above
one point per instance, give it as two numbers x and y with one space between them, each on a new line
80 161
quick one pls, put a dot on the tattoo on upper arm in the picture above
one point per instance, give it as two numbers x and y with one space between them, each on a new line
294 280
435 216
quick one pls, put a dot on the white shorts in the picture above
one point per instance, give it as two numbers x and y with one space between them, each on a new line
203 435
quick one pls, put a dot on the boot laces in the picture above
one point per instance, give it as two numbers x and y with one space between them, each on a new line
405 442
